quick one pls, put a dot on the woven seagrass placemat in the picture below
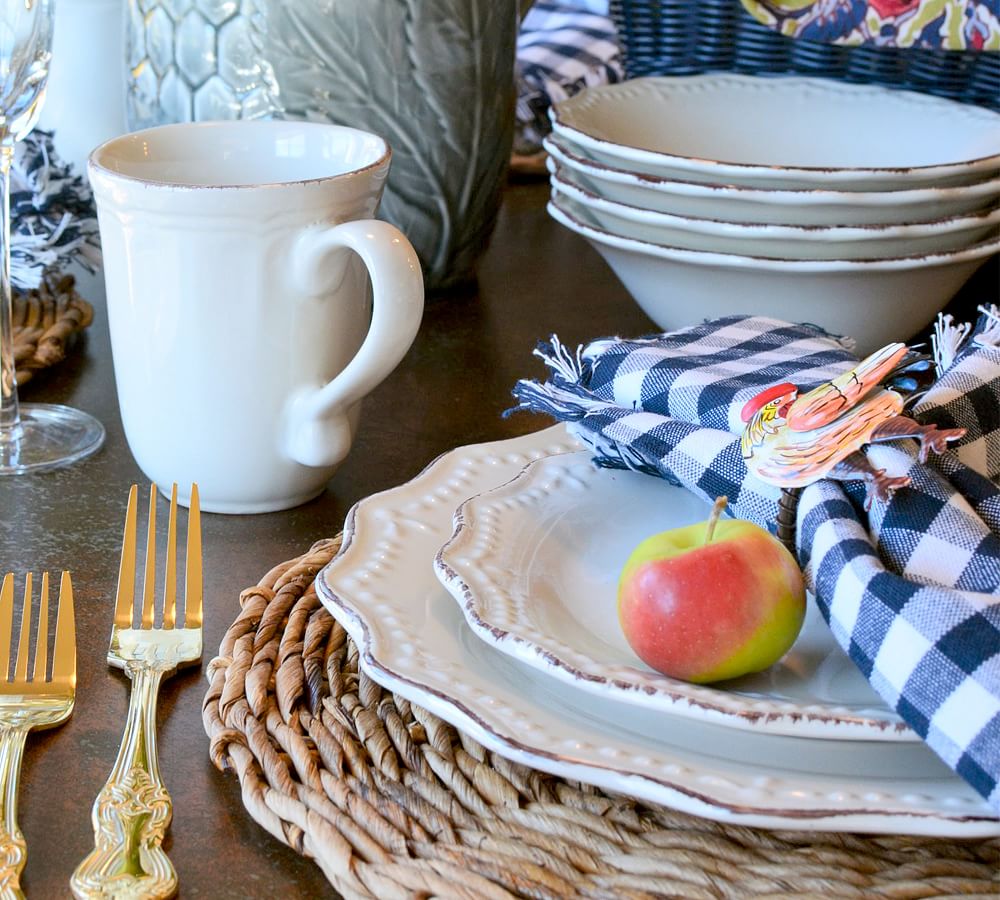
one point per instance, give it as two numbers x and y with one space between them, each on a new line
45 322
392 802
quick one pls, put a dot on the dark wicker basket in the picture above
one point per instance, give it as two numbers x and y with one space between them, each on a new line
680 37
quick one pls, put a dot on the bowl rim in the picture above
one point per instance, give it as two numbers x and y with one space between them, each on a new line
976 251
561 115
783 196
895 230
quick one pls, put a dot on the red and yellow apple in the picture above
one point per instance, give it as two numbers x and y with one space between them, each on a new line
711 601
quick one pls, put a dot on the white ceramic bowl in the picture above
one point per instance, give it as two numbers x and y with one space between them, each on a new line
782 132
873 301
780 241
772 207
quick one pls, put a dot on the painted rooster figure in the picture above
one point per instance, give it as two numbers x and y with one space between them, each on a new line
792 440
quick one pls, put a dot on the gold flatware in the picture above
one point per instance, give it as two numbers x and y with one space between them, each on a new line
132 811
43 701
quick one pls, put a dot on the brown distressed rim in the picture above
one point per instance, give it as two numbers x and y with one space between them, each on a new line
391 802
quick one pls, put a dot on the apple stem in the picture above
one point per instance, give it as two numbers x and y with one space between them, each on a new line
713 517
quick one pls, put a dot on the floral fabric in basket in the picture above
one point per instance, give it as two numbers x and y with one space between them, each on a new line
911 590
929 24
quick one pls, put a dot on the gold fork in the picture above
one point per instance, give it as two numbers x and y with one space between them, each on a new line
43 702
132 811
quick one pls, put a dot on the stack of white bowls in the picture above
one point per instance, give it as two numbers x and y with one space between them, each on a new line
854 207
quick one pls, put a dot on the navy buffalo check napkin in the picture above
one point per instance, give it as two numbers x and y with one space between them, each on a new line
563 47
910 589
54 221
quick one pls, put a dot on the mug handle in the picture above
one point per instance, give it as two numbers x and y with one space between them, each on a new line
317 429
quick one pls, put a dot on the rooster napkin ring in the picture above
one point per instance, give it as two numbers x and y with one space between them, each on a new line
792 439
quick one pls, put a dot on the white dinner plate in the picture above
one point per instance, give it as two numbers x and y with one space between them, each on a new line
534 566
413 640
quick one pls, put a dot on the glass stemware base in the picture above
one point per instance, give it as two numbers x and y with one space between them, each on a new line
48 436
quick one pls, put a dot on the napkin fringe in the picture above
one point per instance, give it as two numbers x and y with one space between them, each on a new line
571 403
52 214
32 253
988 327
567 402
946 340
567 368
951 338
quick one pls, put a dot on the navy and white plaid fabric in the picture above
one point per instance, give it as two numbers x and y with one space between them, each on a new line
911 590
563 47
968 391
53 217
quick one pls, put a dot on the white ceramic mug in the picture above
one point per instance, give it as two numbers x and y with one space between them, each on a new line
252 301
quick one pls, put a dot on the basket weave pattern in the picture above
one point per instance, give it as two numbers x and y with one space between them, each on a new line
45 321
392 802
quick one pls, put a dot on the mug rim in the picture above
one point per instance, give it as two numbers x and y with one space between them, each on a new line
95 166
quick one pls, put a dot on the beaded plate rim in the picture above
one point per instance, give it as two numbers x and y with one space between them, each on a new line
475 563
499 705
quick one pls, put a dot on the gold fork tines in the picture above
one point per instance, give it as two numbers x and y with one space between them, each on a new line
132 812
43 700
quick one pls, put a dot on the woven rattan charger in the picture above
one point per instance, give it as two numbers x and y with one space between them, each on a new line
392 802
45 322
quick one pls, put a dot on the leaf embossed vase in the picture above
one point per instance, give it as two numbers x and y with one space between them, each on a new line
435 78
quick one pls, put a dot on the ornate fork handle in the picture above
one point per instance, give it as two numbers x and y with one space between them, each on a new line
132 811
13 848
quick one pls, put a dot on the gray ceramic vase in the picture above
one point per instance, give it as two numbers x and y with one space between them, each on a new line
435 78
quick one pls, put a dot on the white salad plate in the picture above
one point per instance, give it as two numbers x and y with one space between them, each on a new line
732 203
781 241
781 132
413 640
872 300
534 566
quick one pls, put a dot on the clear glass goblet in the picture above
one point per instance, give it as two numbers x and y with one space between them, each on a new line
34 436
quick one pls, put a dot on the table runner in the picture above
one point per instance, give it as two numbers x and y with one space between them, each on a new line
392 802
909 589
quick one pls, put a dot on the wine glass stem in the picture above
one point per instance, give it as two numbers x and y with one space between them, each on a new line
10 418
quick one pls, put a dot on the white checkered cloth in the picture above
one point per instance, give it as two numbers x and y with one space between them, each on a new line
968 391
53 218
561 49
910 590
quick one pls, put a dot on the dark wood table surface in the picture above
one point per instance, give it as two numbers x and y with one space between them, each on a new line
536 278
